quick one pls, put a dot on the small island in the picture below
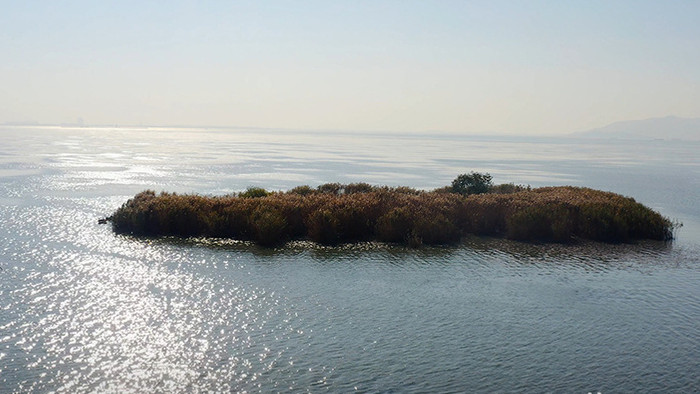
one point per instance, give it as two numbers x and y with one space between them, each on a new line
335 213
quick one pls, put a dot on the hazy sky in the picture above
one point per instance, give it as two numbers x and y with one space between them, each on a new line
519 67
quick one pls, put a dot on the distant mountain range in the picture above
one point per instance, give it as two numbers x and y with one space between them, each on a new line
667 128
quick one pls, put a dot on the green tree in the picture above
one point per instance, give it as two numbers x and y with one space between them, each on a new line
254 192
472 183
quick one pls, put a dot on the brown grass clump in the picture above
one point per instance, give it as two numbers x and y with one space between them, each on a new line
335 213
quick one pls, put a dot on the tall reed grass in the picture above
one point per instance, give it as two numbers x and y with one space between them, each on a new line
335 213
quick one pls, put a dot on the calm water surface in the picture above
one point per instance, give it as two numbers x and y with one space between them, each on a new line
83 310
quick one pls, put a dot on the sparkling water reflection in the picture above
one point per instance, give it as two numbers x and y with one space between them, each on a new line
85 310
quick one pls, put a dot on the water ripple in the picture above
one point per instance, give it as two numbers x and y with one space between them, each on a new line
84 310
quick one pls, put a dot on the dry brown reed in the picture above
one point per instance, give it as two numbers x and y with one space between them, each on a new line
335 213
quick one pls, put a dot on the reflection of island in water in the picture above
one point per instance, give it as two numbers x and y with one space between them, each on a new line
333 214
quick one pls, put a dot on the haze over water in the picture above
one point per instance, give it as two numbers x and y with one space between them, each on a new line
86 310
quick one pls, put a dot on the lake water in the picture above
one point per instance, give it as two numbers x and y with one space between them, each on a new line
82 309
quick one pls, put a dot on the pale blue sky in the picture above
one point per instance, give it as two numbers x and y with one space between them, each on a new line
517 67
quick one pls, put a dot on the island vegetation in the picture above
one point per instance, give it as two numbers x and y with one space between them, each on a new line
336 213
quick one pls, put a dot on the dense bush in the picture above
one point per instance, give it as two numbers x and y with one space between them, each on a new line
335 213
395 225
472 183
434 230
358 188
444 190
507 188
542 223
254 192
324 227
302 190
331 188
406 190
268 225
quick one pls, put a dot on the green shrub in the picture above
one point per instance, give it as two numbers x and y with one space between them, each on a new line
472 183
254 192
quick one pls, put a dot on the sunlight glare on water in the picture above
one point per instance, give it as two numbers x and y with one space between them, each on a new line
86 310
